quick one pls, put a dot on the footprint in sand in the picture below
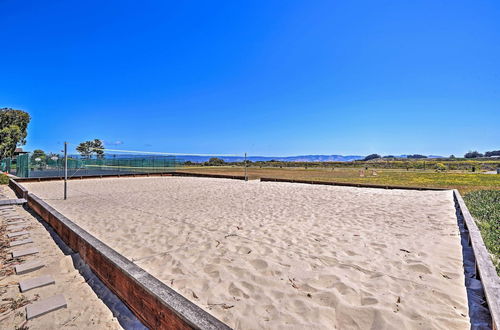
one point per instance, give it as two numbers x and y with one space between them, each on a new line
259 264
237 292
211 271
420 268
368 301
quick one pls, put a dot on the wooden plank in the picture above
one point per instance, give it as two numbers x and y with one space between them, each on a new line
359 185
487 272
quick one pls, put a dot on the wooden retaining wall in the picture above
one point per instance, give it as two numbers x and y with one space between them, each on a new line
145 298
82 177
152 301
359 185
484 265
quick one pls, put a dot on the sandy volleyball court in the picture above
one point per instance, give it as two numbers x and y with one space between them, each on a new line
282 255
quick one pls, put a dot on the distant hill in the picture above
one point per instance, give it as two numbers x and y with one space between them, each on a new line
303 158
229 159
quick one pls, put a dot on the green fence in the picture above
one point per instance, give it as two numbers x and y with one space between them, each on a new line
6 165
23 166
53 165
29 165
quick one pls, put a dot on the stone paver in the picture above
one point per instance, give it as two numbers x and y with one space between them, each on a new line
20 242
36 282
19 233
16 227
15 222
25 252
28 267
45 306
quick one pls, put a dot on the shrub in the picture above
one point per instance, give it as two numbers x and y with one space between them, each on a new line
416 156
440 167
4 179
372 156
214 161
473 154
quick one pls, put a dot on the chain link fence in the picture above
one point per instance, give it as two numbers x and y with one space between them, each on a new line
31 165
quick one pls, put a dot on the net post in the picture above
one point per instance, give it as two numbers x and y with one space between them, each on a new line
246 176
65 170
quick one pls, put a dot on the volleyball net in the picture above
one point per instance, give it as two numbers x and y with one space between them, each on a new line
115 162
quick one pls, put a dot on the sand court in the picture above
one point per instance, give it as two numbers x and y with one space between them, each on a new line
283 255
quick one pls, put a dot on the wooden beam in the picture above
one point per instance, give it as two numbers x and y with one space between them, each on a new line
484 265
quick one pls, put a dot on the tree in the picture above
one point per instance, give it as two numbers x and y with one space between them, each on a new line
13 130
98 148
214 161
88 148
85 149
415 156
492 153
473 154
372 156
38 153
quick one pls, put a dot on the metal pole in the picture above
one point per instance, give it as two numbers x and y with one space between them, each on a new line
246 176
65 170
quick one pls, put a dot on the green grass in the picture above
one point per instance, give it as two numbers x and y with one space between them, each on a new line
4 179
484 205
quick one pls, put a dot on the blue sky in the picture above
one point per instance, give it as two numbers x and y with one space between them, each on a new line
266 77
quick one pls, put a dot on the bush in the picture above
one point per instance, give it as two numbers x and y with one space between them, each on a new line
214 161
473 154
372 156
416 156
440 167
4 179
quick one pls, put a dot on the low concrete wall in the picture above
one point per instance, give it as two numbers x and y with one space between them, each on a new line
153 302
484 265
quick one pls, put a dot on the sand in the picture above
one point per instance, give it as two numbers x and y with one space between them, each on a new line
284 255
84 309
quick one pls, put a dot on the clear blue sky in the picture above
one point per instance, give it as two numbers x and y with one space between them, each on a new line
267 77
